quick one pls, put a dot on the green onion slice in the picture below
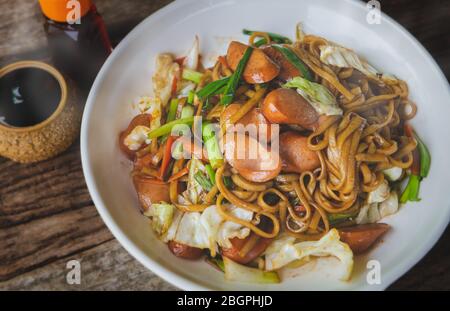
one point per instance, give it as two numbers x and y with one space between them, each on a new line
425 157
235 78
213 88
203 181
295 60
191 75
411 192
167 128
273 36
211 173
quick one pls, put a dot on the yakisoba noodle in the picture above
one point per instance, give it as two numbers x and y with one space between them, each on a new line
348 158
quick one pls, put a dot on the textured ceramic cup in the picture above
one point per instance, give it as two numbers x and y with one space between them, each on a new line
49 137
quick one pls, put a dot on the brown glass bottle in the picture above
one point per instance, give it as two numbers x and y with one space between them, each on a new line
77 49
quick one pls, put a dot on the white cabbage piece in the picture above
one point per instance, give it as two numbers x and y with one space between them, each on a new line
162 216
152 106
240 273
211 220
317 95
362 217
166 71
389 206
283 251
368 214
208 229
183 200
371 213
137 137
172 231
192 57
191 232
185 88
380 194
342 57
230 229
194 190
394 173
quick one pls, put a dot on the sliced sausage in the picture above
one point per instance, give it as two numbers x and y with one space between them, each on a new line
237 244
144 161
251 158
142 119
254 116
295 155
360 238
150 190
287 69
259 69
184 251
286 106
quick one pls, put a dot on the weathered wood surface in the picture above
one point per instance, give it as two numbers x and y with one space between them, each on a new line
46 215
21 21
104 267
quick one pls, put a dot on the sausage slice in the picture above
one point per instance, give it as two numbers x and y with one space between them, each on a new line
287 69
295 155
286 106
360 238
251 158
259 69
150 191
141 119
254 116
184 251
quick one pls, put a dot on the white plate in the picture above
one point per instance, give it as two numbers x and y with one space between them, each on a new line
127 74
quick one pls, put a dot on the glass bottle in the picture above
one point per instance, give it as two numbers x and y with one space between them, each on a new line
77 39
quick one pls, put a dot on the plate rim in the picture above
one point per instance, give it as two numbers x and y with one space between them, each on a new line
172 277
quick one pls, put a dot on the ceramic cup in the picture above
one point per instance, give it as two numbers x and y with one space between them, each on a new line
48 138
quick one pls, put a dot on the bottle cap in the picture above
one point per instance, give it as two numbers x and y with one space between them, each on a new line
64 10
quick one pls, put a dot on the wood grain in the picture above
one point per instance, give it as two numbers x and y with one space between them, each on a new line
105 267
21 27
46 214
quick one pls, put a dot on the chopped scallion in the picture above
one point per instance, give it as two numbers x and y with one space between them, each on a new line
211 173
425 157
191 96
294 60
411 192
273 36
192 75
213 88
232 85
172 109
212 145
187 111
203 181
167 128
227 181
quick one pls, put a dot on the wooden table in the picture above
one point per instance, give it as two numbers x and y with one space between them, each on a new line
46 214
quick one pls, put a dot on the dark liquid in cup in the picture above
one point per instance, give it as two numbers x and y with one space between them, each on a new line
28 96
